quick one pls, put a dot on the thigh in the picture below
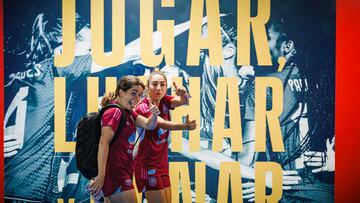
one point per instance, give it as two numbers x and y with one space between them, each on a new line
155 196
127 196
165 179
168 194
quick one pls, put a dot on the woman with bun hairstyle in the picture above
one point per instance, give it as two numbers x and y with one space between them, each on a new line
115 161
151 162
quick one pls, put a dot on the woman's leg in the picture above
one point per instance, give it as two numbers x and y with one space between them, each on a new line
168 194
127 196
155 196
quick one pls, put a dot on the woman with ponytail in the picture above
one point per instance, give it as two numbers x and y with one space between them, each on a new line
115 161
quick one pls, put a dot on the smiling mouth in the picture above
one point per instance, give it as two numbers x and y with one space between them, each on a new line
132 104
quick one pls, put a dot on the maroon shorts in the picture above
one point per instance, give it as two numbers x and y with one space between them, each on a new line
110 187
151 179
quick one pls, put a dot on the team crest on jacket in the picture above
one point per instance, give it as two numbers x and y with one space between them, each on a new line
152 181
128 182
131 139
160 132
165 109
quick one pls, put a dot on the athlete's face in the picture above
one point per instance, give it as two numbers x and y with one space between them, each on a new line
157 87
274 43
131 97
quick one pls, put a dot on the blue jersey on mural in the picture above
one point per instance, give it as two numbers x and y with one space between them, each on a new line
29 128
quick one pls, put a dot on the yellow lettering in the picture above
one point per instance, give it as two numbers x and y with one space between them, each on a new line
167 3
200 181
213 34
138 193
62 201
118 32
179 171
110 84
272 116
257 24
143 79
232 170
193 109
61 145
224 85
260 188
166 27
68 35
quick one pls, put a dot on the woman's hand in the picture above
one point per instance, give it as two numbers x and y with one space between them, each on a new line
153 109
189 125
96 185
180 91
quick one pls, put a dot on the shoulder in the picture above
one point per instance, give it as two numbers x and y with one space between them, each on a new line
142 107
167 98
166 101
112 113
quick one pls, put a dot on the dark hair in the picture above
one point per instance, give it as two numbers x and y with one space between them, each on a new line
46 32
125 83
290 29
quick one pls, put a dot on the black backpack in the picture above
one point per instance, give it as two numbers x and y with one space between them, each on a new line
88 133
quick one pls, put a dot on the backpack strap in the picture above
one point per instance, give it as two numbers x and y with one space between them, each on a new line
137 139
121 125
122 119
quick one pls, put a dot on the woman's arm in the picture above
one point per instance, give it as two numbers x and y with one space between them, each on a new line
106 136
148 124
169 125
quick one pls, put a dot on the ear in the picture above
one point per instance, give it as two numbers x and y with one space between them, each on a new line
121 93
287 47
229 51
